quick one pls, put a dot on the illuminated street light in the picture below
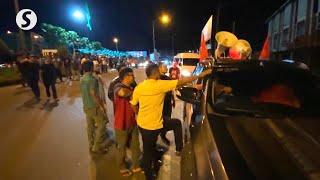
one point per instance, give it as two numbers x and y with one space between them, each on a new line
36 36
115 40
165 20
78 15
9 32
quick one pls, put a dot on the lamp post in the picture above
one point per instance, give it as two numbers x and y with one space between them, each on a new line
164 19
116 40
21 33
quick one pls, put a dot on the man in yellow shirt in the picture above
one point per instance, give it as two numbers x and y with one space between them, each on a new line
150 96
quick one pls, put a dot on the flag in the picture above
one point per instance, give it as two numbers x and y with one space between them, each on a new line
206 31
265 52
203 48
205 36
88 17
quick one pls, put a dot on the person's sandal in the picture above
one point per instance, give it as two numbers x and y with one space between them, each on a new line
136 170
125 172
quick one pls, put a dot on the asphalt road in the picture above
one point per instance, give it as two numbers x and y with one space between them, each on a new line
51 143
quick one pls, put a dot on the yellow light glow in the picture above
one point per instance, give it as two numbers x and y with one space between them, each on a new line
165 19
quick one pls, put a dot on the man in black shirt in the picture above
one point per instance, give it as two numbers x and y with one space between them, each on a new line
168 123
49 75
115 81
32 69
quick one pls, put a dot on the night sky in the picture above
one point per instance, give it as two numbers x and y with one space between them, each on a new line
131 20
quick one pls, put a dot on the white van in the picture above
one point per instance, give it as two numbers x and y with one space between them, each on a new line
187 62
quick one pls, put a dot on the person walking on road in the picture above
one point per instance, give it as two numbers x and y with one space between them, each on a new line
75 69
22 69
48 76
58 66
32 76
125 125
67 67
168 122
150 96
94 109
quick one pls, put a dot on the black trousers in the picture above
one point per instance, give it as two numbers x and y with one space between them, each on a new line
150 154
59 74
53 89
33 84
175 125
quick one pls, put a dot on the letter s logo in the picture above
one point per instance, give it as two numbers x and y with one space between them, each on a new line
26 19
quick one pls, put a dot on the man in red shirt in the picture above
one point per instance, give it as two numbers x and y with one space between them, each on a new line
174 71
125 125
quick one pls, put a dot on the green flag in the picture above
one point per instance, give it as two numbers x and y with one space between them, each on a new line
88 17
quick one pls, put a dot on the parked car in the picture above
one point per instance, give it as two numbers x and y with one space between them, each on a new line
265 126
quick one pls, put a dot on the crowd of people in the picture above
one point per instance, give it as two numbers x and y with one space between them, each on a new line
51 69
143 108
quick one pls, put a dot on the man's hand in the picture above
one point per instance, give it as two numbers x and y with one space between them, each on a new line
103 109
204 73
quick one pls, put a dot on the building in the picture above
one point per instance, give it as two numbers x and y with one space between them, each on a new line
294 32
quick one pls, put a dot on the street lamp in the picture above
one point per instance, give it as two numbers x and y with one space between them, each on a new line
9 32
116 40
36 37
164 19
78 15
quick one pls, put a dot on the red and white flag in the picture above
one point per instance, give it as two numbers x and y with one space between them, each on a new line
265 52
205 36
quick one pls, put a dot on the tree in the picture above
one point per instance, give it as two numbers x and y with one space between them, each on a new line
57 37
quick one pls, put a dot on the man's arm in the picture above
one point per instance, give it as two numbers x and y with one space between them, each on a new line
96 99
186 80
111 90
134 101
135 108
124 92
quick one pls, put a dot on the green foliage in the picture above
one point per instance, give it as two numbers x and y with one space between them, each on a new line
59 37
9 74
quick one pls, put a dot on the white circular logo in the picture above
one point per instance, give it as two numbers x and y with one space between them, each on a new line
26 19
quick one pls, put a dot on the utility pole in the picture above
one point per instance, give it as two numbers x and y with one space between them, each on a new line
217 23
22 45
172 43
233 27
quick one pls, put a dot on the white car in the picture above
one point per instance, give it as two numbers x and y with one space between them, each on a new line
187 62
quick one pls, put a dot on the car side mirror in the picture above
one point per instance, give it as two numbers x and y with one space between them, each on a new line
189 95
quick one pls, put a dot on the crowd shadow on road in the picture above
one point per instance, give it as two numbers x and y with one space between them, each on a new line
29 104
49 106
21 90
104 166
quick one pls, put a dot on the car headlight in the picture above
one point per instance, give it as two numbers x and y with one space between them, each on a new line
185 73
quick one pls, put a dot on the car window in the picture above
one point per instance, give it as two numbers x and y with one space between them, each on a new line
269 86
190 62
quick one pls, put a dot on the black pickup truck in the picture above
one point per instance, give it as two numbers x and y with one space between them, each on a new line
266 126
